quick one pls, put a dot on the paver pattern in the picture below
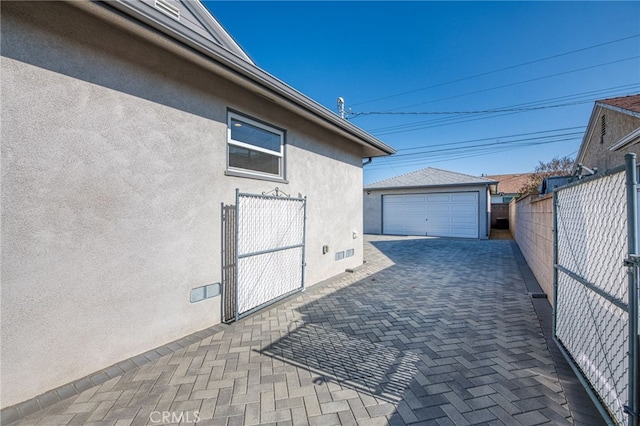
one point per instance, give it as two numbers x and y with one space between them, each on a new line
428 331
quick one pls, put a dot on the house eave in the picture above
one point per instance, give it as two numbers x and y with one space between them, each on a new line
587 134
630 139
236 68
445 185
619 109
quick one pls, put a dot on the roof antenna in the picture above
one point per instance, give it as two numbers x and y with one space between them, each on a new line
341 107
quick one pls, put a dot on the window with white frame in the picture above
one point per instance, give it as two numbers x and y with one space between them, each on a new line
254 148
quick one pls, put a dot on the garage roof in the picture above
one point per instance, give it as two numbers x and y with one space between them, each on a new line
430 177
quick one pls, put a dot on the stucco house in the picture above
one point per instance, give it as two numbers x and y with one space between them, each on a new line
429 202
128 127
613 131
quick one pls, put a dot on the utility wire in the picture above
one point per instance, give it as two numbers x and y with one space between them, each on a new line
498 70
591 96
485 111
449 120
520 82
491 138
470 151
441 159
452 157
487 144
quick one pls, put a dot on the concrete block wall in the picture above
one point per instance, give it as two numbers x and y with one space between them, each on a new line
531 224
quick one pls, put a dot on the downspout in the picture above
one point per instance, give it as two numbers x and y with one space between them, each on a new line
488 215
367 162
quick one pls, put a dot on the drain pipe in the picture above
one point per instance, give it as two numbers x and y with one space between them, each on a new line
369 160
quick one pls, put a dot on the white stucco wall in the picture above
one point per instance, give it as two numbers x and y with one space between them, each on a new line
113 161
372 205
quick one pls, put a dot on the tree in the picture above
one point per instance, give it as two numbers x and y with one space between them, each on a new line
556 167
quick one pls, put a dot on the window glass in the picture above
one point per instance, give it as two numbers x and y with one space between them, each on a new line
248 159
255 147
244 132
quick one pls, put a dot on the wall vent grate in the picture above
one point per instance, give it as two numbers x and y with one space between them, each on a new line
168 9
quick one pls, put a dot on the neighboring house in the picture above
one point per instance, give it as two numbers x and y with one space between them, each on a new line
509 186
429 202
126 126
612 132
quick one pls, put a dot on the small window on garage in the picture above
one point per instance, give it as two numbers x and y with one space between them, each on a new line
254 148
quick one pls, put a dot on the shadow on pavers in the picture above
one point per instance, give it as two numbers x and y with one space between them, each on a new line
447 333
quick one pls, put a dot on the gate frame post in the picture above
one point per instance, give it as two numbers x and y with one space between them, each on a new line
632 226
235 270
304 240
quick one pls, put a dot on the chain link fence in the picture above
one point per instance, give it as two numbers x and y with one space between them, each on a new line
269 250
592 286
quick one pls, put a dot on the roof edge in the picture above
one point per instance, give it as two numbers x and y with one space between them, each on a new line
448 185
626 140
248 75
618 109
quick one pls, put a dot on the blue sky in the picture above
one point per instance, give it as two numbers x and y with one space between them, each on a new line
472 87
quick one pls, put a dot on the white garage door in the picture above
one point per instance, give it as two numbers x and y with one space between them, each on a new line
450 214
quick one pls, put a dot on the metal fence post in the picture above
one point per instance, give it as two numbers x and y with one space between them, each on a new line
304 240
632 206
235 272
555 262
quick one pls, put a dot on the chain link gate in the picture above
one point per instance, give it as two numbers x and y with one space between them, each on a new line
595 286
268 259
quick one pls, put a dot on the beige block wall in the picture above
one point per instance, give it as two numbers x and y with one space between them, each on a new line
113 175
531 224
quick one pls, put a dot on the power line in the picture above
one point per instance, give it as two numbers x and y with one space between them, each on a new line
591 96
521 82
491 138
462 155
498 70
482 147
486 111
449 120
447 154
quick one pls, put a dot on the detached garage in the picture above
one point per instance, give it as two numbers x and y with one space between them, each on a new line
429 202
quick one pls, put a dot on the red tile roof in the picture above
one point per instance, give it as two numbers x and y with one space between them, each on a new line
631 103
510 184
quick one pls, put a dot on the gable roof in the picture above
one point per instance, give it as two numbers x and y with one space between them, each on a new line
510 183
199 37
629 105
430 177
189 18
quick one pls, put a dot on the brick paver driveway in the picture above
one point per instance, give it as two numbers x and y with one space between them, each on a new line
429 331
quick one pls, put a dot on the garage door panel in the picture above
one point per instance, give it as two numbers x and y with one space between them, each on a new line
438 198
404 214
410 199
439 208
403 229
464 198
442 214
